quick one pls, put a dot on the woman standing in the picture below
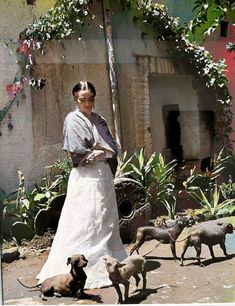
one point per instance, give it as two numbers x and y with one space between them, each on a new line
89 222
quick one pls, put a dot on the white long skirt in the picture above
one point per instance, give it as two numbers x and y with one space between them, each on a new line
88 225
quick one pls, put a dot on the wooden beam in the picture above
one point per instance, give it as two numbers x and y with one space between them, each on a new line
112 75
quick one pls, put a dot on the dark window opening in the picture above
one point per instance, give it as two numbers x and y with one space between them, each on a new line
173 131
224 28
31 2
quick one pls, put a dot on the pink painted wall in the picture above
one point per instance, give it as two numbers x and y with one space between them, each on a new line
216 45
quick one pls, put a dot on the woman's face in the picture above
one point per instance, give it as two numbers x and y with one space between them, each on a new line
85 101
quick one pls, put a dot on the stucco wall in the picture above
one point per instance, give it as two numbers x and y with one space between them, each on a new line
36 139
214 43
16 146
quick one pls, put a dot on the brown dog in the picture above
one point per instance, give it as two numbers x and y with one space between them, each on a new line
120 272
70 284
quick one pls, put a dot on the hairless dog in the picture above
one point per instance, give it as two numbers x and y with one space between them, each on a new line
166 235
70 284
120 272
209 233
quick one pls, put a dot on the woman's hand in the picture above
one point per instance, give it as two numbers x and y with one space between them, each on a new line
98 154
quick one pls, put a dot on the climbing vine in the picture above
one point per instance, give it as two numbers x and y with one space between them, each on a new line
70 16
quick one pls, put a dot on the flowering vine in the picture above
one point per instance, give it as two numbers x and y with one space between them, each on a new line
154 20
70 16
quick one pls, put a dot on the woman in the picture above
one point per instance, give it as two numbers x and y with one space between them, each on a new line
89 219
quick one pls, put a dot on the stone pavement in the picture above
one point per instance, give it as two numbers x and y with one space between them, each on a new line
167 281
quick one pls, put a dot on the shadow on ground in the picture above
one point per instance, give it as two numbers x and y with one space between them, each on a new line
152 265
208 262
141 296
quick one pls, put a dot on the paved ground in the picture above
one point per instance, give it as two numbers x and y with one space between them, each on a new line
167 281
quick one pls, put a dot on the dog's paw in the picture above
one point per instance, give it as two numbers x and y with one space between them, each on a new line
42 296
119 301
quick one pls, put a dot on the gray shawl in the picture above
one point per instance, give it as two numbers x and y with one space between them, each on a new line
81 135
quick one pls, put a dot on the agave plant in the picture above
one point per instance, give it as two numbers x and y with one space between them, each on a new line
206 182
163 174
228 189
152 172
210 204
123 168
141 168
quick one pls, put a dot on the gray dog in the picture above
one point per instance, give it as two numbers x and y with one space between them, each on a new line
166 235
70 284
209 233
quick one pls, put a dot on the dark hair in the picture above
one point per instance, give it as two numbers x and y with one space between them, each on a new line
84 85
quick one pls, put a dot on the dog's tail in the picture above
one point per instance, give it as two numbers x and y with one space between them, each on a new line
29 287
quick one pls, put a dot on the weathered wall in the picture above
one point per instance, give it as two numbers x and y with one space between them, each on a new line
214 43
36 139
16 146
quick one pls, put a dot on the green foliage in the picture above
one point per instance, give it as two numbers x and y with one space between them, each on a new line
25 206
163 175
155 21
209 15
211 203
228 210
153 173
228 189
206 182
205 190
61 21
230 47
142 168
123 168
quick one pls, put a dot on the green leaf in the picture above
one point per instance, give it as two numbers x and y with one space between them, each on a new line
39 197
136 170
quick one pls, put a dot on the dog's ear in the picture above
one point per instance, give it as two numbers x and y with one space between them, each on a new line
68 261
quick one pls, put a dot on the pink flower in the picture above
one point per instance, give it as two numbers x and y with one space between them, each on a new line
23 48
11 89
19 87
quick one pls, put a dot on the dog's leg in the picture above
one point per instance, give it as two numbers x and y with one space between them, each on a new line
137 280
198 247
144 280
140 238
119 293
185 246
211 251
80 294
84 295
223 247
57 294
172 246
126 284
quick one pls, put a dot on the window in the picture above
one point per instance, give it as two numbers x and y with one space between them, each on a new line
224 28
31 2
